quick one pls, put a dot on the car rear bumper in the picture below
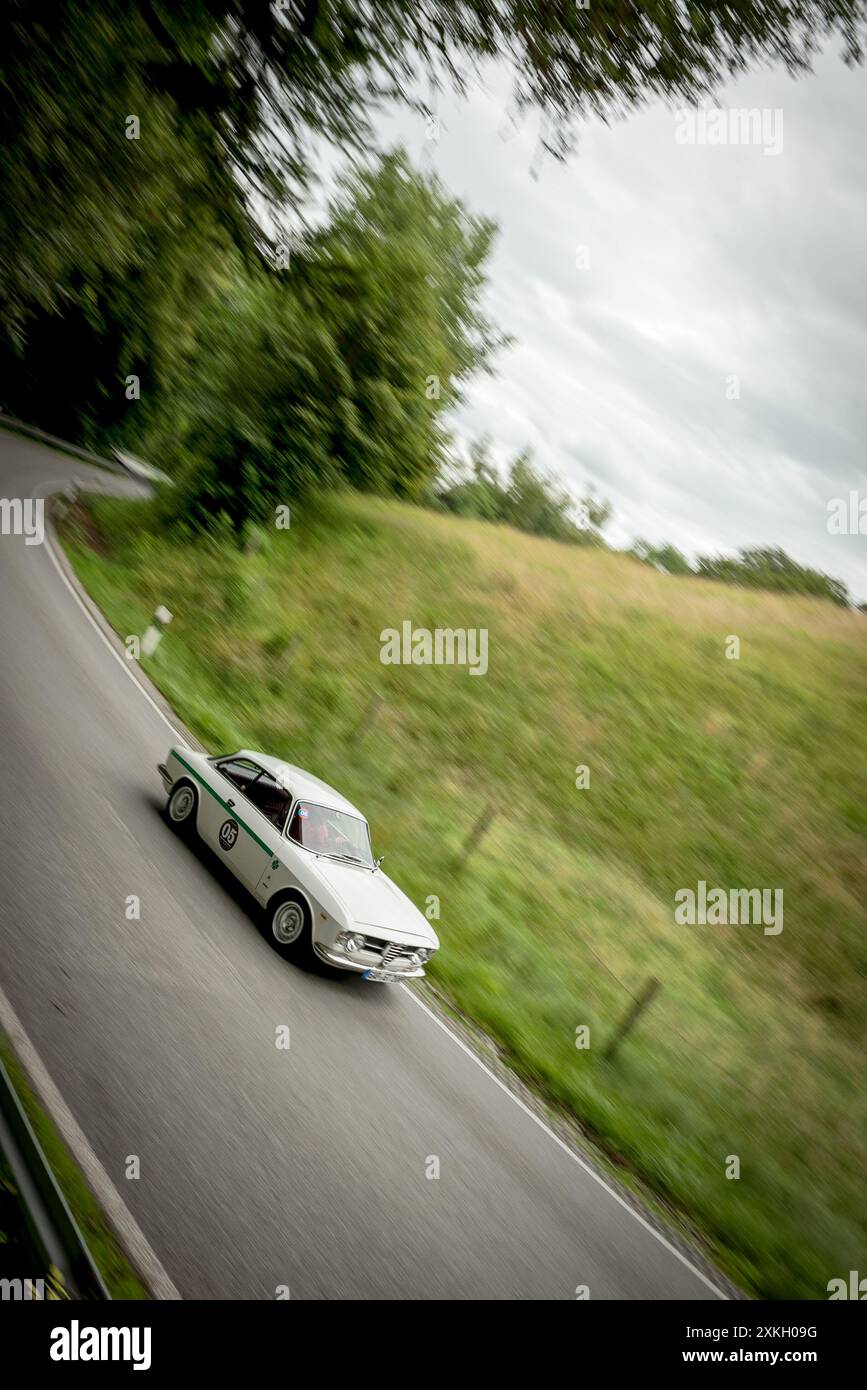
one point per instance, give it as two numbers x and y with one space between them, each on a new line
165 775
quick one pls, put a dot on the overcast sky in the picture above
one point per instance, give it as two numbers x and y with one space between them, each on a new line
706 262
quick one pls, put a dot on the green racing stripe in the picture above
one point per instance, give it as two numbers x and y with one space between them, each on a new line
230 810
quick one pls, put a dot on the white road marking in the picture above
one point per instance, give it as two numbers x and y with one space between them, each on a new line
576 1158
131 1235
597 1177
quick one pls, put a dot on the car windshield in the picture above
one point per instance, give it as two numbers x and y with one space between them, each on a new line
325 831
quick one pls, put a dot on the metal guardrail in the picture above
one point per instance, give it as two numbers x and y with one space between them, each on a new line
121 462
50 1223
33 432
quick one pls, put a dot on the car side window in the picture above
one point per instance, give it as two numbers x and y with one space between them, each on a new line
240 773
270 798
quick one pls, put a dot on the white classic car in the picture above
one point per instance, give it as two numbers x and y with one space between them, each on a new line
303 851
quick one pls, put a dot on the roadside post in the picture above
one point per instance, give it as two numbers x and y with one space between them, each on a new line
477 833
154 633
641 1002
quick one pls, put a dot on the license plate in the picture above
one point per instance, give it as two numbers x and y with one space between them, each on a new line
385 977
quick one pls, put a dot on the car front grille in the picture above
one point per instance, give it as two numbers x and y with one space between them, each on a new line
390 952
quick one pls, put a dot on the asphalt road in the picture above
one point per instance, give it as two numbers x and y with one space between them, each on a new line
258 1167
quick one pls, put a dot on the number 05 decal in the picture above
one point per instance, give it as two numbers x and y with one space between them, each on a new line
228 834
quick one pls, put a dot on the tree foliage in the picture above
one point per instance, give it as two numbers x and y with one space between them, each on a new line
230 94
526 499
761 567
666 557
769 567
109 245
343 365
145 257
397 274
267 385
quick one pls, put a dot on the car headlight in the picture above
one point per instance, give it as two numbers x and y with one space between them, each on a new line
424 954
351 941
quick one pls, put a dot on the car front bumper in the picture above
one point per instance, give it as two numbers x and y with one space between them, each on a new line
332 955
166 776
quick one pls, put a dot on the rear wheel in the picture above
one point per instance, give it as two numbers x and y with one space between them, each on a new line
181 807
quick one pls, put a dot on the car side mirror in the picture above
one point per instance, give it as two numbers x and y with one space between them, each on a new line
378 862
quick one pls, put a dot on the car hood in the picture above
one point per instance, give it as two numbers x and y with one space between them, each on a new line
374 901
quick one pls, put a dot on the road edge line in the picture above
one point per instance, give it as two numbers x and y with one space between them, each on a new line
567 1149
130 1235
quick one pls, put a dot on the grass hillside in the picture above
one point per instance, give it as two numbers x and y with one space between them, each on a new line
746 773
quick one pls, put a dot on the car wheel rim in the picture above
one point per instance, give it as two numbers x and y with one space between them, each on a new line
287 923
181 804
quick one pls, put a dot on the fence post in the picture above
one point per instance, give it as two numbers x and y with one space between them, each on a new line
64 501
639 1004
477 833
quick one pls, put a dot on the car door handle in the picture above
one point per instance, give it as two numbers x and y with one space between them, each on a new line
230 802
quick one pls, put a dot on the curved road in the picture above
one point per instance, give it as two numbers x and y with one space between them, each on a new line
259 1167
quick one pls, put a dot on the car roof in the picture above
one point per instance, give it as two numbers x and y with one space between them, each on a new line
302 784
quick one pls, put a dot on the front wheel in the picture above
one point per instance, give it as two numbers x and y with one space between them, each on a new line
290 928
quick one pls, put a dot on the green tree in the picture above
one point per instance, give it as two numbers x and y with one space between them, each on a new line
109 245
344 365
665 557
527 499
397 274
479 494
536 503
268 391
769 567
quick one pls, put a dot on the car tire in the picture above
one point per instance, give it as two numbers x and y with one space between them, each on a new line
287 917
181 807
